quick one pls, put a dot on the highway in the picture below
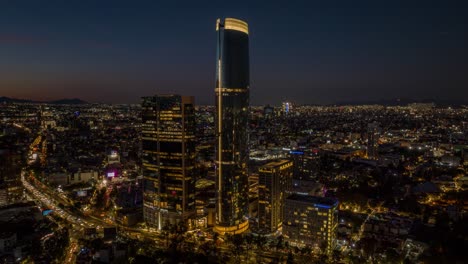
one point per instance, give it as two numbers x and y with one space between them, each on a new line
51 200
51 203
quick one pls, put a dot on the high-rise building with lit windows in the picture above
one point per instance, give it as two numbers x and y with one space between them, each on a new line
310 221
287 107
232 110
306 163
168 127
274 180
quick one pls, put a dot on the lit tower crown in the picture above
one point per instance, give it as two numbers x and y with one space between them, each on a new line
232 109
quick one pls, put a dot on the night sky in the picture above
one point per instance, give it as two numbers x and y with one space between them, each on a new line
307 52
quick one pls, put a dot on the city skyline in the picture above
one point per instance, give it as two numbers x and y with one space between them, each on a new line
319 53
233 132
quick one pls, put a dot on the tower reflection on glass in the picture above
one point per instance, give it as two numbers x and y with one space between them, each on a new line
232 109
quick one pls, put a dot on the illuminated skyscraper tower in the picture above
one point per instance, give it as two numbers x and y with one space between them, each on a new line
168 127
232 109
287 108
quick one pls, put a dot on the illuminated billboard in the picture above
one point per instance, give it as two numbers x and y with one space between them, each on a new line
111 174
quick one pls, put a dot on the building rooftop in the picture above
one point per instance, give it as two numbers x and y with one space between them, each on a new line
323 202
275 164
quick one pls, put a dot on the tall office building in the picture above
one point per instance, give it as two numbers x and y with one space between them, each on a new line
287 107
168 127
373 133
274 179
310 221
232 110
306 163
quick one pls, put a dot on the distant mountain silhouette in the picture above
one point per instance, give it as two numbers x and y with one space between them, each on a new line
68 101
4 99
405 101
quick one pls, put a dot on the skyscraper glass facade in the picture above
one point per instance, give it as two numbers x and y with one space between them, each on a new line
168 125
232 109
